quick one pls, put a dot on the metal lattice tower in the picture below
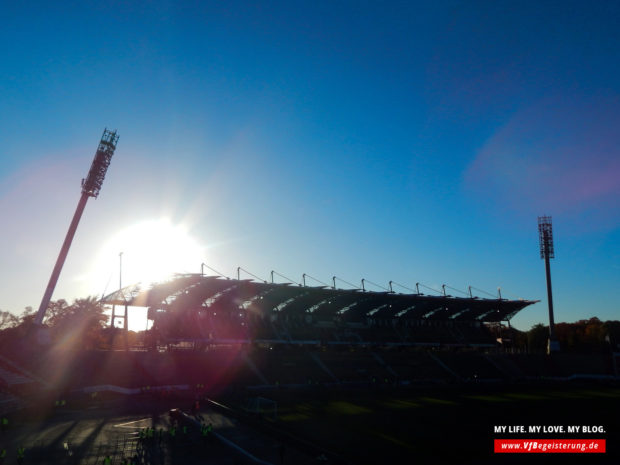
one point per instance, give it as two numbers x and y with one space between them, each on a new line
91 186
545 235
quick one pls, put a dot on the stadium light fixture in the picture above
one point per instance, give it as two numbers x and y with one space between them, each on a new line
91 186
545 235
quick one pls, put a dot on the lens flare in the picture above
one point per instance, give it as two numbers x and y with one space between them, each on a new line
151 251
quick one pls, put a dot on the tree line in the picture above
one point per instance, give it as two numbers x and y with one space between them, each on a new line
584 336
80 325
83 325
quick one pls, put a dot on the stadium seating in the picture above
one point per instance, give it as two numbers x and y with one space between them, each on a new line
470 366
355 366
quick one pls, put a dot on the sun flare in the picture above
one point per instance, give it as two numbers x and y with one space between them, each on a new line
151 251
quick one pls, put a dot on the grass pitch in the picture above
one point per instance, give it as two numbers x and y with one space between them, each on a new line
449 425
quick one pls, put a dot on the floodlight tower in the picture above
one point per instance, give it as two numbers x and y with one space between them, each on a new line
545 235
90 188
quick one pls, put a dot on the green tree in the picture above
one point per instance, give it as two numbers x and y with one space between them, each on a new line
8 320
14 334
79 325
537 338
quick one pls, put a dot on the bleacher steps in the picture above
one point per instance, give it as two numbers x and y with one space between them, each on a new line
382 362
11 378
252 366
444 366
31 377
324 367
505 366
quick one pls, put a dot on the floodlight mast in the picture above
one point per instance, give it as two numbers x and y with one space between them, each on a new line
90 188
545 235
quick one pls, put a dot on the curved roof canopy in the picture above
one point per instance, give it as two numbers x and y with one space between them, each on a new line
196 292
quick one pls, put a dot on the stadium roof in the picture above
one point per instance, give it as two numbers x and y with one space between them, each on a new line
195 292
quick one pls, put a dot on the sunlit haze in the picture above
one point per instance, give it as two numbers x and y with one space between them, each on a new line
151 251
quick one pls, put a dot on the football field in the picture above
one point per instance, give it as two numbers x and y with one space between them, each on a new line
456 424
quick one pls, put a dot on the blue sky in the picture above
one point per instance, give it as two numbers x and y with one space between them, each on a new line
414 142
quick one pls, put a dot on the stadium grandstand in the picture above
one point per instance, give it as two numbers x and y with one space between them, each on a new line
212 310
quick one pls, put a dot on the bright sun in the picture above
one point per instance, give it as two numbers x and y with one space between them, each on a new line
151 251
